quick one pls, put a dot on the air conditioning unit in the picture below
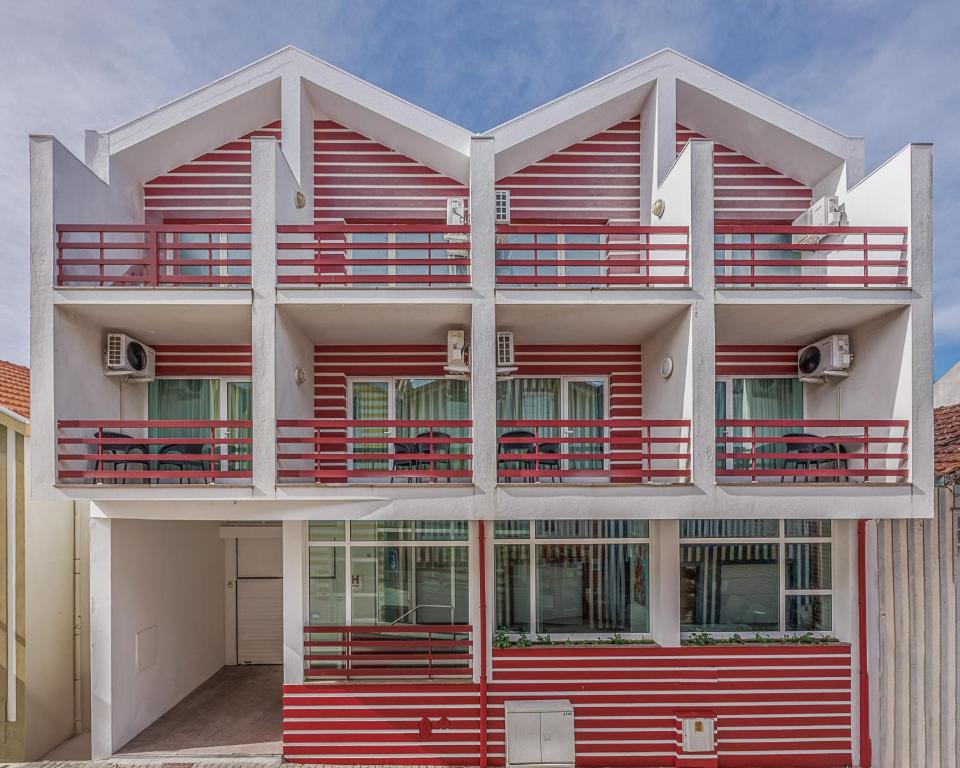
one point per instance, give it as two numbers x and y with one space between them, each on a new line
825 212
457 353
506 363
456 217
829 357
128 357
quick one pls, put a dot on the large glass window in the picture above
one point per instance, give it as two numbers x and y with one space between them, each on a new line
572 577
388 572
755 576
757 399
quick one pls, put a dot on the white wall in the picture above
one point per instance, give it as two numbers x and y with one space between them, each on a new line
167 575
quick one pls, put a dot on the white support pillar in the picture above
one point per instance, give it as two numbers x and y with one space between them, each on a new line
665 149
703 341
294 584
483 326
665 582
101 637
263 279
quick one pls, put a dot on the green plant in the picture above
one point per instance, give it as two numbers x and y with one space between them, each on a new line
758 638
735 638
523 641
543 640
617 639
501 639
807 638
702 638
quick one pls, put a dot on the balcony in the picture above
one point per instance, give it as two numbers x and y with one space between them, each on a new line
154 451
592 256
787 256
373 255
388 651
594 451
812 450
337 451
151 256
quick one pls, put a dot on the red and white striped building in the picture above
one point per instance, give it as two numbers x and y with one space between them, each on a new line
447 424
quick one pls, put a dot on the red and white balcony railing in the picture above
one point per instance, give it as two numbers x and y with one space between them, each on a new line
373 255
154 451
592 255
609 450
797 450
786 255
149 255
351 450
385 651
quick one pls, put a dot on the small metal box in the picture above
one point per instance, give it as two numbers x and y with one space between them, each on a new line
697 734
540 734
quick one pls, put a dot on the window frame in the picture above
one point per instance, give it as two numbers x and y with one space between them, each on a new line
348 543
532 542
781 540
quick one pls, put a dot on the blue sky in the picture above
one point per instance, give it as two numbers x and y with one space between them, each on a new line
883 70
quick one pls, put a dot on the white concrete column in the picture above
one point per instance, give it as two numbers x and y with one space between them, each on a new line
703 341
665 127
665 582
101 638
296 129
294 599
42 249
483 326
263 256
96 153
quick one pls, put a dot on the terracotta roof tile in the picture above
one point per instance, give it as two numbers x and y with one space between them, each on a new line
15 388
946 440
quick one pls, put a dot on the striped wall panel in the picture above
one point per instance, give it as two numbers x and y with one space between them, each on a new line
214 186
333 365
775 706
200 360
757 359
597 179
358 179
745 189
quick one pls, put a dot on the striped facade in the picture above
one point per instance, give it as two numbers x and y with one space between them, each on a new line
203 360
334 365
746 189
212 187
357 179
774 705
595 180
757 360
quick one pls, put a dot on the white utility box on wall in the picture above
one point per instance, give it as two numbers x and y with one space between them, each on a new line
540 733
698 734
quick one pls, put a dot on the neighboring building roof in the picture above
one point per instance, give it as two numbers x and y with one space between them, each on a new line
946 389
946 440
15 388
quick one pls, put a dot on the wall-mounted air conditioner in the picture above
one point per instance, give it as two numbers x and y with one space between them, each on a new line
457 353
128 357
825 212
456 217
829 357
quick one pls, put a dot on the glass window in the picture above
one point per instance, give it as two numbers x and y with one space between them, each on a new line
328 530
327 586
409 530
764 576
581 586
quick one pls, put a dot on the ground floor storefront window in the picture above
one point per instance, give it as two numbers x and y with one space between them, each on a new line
755 576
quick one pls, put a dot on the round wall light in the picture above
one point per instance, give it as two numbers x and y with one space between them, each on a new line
666 367
299 200
658 208
299 376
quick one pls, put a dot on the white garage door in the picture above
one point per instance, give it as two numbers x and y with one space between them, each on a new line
259 601
260 621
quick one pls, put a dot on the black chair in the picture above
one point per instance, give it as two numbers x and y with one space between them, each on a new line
406 464
125 450
434 448
176 455
808 462
518 448
552 463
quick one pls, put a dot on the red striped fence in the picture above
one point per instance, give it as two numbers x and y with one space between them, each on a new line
751 255
154 451
774 705
151 255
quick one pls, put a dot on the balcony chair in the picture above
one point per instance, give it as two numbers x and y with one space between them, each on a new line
518 448
552 464
434 448
175 455
125 450
809 462
404 464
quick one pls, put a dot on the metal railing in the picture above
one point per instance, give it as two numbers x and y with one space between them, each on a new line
154 451
152 255
784 255
373 255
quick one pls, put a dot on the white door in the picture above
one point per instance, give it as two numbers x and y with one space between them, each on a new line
260 600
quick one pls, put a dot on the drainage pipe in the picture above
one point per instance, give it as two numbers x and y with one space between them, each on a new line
482 557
